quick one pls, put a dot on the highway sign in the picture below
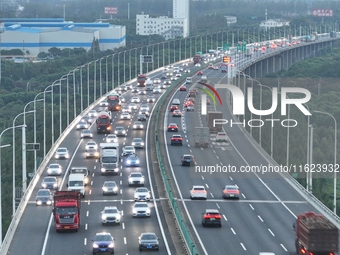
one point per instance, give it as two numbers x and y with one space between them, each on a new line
110 10
226 46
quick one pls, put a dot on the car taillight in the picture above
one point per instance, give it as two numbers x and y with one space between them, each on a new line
207 217
302 251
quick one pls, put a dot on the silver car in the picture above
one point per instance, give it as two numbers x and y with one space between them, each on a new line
86 133
43 197
62 153
82 125
54 169
135 100
128 150
136 178
126 108
49 183
144 107
110 187
137 125
120 131
138 143
111 214
92 114
111 138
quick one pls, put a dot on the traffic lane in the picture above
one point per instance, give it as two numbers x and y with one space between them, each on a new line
254 234
34 220
216 240
126 234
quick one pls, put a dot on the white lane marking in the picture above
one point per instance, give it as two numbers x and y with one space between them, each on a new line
271 232
260 218
251 207
211 194
124 240
123 225
89 202
86 226
87 213
122 213
207 186
202 177
90 191
225 217
244 248
85 241
91 183
231 178
121 182
243 196
121 201
232 230
218 206
121 191
283 247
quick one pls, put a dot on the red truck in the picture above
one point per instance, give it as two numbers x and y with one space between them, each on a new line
66 210
315 235
113 103
197 58
104 123
141 79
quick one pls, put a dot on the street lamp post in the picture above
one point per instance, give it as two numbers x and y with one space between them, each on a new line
335 151
23 127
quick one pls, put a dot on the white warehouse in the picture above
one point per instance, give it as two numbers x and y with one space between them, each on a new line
39 35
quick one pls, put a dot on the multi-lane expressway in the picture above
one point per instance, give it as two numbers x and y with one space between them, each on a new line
36 230
261 220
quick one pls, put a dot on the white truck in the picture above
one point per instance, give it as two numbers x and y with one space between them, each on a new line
201 136
76 182
109 158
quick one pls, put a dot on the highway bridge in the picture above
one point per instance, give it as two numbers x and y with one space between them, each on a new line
261 221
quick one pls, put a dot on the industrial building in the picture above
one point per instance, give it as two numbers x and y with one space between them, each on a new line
169 28
40 34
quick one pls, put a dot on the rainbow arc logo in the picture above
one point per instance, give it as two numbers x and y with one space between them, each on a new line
211 93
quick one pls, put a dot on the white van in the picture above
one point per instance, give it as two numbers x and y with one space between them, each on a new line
188 80
76 182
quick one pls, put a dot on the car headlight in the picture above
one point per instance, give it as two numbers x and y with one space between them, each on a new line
123 131
148 210
118 216
49 202
142 179
39 202
94 245
105 189
102 169
103 217
141 126
128 162
134 210
96 154
116 132
44 185
78 126
137 161
115 189
130 179
142 143
49 171
56 156
134 126
55 185
133 143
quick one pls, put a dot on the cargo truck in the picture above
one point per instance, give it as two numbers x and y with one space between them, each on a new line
113 102
315 235
141 79
103 123
197 57
66 210
201 136
213 126
109 158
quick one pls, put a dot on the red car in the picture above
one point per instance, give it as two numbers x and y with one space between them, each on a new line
231 191
189 102
176 139
199 73
172 127
173 107
182 88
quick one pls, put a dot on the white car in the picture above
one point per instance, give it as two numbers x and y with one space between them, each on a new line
221 137
141 209
156 81
128 86
111 214
142 92
178 74
54 169
144 107
142 194
125 116
91 145
92 113
62 153
86 133
176 101
135 100
126 108
133 106
122 99
128 150
82 125
112 138
138 143
103 103
136 178
138 125
197 64
198 192
157 91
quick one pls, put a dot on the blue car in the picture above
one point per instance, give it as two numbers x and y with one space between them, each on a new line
103 242
132 160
